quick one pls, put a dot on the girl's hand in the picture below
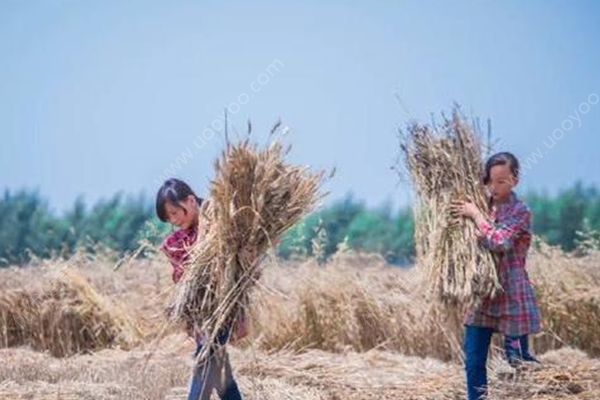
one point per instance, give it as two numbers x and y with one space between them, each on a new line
464 209
199 336
241 330
479 234
468 210
193 331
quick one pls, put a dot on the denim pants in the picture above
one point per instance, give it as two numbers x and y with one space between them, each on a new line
476 345
214 373
517 349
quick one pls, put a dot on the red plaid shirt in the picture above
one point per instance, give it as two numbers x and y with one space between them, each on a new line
515 311
176 246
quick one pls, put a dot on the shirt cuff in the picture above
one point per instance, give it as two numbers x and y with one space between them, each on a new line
485 227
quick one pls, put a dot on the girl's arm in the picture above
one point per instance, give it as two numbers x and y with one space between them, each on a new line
497 237
175 255
240 329
501 236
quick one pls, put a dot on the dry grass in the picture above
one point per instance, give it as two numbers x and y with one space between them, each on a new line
371 305
356 302
341 307
140 373
255 197
445 164
64 315
376 374
315 374
569 292
354 328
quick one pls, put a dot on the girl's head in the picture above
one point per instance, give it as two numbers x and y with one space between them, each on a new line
177 203
501 175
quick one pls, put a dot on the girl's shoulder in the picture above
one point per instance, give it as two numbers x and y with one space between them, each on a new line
519 206
517 211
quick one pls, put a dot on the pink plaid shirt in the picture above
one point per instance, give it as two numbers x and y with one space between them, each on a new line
176 246
515 311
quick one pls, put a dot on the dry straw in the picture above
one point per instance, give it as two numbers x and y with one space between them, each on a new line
354 306
445 164
65 316
255 197
313 375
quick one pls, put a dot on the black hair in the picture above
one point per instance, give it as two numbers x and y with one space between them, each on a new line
173 191
503 158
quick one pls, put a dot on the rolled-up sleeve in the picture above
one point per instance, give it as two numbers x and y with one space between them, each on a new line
176 255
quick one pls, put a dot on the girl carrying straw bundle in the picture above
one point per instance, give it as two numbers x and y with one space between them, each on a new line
514 312
177 204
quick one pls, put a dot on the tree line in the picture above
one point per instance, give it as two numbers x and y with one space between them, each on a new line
29 228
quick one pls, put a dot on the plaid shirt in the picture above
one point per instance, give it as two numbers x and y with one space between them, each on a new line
515 311
176 246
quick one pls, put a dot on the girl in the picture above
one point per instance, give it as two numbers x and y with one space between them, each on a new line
514 312
177 204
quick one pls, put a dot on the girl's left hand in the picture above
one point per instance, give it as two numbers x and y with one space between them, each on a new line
479 234
241 329
464 209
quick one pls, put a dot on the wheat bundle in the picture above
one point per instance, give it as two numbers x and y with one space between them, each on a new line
65 316
255 197
568 290
353 306
445 164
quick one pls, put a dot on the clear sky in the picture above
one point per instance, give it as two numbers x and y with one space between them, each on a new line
106 96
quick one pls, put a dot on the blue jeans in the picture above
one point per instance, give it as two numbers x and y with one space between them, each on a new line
517 349
512 349
214 373
476 346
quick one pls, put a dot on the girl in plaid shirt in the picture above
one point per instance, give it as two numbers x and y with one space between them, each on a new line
514 312
177 204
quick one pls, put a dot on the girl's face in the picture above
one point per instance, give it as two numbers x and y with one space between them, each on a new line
501 183
184 214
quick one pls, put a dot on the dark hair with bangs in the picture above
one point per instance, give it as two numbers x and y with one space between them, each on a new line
173 191
503 158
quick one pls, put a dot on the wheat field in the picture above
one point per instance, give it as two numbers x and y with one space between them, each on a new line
354 328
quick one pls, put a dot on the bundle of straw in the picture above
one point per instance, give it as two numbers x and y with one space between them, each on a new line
445 164
255 197
66 315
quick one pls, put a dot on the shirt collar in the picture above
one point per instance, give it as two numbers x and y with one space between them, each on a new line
508 204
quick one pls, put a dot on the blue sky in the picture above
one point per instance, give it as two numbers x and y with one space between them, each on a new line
106 96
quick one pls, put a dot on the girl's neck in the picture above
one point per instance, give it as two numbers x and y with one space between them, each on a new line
503 201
